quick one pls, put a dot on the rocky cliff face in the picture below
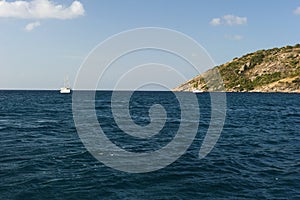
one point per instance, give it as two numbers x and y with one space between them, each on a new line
273 70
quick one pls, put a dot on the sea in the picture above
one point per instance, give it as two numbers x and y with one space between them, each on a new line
257 155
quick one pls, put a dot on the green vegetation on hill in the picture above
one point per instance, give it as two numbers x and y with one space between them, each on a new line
258 71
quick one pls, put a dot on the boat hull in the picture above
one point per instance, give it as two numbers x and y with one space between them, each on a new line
65 91
197 91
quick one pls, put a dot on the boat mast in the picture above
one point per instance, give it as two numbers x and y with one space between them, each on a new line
67 82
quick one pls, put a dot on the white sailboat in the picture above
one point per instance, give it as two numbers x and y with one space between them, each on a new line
197 91
66 89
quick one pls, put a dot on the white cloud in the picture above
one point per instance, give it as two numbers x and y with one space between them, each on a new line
31 26
215 21
229 20
234 20
40 9
297 11
234 37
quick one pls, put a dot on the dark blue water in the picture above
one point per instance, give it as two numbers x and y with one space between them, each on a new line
256 157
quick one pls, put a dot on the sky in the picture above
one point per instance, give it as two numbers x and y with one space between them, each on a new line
42 41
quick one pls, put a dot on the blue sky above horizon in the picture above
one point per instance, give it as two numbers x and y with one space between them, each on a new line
38 48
